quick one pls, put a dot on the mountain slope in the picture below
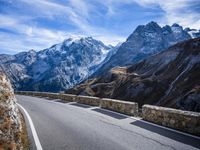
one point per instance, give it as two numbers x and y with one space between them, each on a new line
76 59
170 78
146 40
56 68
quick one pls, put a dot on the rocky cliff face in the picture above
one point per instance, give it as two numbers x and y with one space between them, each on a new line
147 40
10 124
170 78
56 68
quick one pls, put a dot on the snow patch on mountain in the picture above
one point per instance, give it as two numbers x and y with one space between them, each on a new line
56 68
145 41
72 61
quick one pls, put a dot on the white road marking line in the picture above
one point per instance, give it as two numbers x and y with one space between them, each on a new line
35 136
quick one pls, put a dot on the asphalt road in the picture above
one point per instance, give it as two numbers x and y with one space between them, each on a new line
72 126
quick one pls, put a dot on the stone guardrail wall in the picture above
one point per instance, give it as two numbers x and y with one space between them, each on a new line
181 120
186 121
68 97
129 108
93 101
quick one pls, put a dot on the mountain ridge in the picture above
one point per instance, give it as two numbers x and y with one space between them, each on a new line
61 65
169 78
146 40
73 61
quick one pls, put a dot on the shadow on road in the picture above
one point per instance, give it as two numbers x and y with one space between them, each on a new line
170 134
61 101
109 113
80 105
47 98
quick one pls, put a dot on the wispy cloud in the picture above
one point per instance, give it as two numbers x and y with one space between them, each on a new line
177 11
24 36
38 24
28 35
184 12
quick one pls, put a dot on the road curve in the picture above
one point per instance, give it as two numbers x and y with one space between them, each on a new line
72 126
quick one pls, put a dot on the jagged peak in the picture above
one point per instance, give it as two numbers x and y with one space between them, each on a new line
26 53
189 29
74 38
80 39
176 25
166 27
150 25
32 51
153 24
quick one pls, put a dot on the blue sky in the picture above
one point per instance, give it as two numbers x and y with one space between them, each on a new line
38 24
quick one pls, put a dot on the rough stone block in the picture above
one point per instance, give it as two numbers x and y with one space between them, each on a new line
93 101
68 97
129 108
186 121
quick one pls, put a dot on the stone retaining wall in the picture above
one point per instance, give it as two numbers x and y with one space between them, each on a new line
186 121
93 101
68 97
52 95
129 108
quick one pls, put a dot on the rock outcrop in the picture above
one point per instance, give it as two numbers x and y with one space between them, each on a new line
10 124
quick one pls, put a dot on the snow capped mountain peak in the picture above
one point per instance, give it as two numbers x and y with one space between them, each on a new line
70 62
173 72
70 40
152 24
177 28
176 25
194 33
32 51
146 40
56 68
81 40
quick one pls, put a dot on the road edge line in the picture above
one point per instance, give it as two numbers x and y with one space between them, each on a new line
34 133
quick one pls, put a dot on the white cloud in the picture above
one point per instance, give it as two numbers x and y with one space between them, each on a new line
78 13
46 8
176 11
30 36
80 7
25 37
7 21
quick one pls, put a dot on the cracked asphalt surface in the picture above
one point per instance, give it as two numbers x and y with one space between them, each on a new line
72 126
